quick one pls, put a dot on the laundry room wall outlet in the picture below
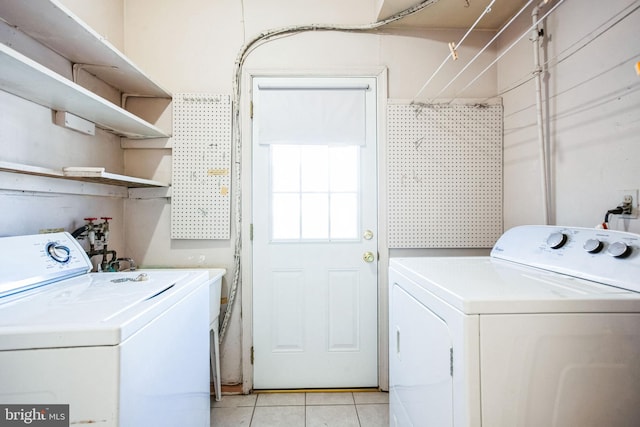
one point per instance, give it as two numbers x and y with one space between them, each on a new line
629 196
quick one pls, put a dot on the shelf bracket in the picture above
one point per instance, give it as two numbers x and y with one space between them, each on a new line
125 96
76 67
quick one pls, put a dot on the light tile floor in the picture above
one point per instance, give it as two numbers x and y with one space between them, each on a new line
357 409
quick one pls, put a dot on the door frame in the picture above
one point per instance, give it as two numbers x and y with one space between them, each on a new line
380 74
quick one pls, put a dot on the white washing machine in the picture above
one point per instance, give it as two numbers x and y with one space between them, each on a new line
543 333
121 349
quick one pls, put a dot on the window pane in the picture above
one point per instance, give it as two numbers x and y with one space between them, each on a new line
285 168
315 192
344 216
344 168
315 216
286 216
315 168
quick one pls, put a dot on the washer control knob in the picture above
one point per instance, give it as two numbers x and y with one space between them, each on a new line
619 250
593 246
556 240
59 253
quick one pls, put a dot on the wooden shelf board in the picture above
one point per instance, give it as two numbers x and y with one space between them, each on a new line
99 175
52 24
28 79
86 174
30 170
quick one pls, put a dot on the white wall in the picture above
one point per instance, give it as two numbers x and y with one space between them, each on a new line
104 16
28 136
591 114
189 51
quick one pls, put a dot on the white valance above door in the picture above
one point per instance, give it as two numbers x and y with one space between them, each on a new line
312 115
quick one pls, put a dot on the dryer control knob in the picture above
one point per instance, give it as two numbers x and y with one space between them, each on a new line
556 240
593 246
619 250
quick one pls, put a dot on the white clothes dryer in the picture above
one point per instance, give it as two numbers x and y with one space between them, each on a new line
121 349
544 332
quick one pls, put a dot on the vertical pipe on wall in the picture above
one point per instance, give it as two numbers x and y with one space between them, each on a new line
537 71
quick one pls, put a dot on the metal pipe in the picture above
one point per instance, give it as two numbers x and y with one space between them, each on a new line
104 265
130 261
537 72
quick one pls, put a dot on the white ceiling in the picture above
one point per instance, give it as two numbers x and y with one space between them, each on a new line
452 13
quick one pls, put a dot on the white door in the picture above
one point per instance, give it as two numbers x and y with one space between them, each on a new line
314 233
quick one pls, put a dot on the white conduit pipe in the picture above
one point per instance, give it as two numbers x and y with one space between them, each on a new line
240 59
494 38
456 46
537 72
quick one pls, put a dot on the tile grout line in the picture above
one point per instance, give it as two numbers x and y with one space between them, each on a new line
355 408
253 412
254 405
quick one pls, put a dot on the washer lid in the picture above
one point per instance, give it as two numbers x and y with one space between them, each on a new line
90 310
476 285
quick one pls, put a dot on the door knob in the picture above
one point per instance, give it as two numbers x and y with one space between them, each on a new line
368 256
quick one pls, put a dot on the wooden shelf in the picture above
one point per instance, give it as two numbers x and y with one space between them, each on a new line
56 27
100 176
28 79
87 174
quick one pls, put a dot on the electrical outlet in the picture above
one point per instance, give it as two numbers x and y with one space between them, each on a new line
628 199
627 204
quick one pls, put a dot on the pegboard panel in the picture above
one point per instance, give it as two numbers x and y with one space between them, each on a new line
201 194
445 175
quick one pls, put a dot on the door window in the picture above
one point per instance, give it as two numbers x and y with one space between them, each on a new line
315 192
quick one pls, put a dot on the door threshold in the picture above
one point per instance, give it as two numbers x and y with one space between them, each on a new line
320 390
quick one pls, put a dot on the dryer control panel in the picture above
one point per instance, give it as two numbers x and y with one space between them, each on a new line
605 256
